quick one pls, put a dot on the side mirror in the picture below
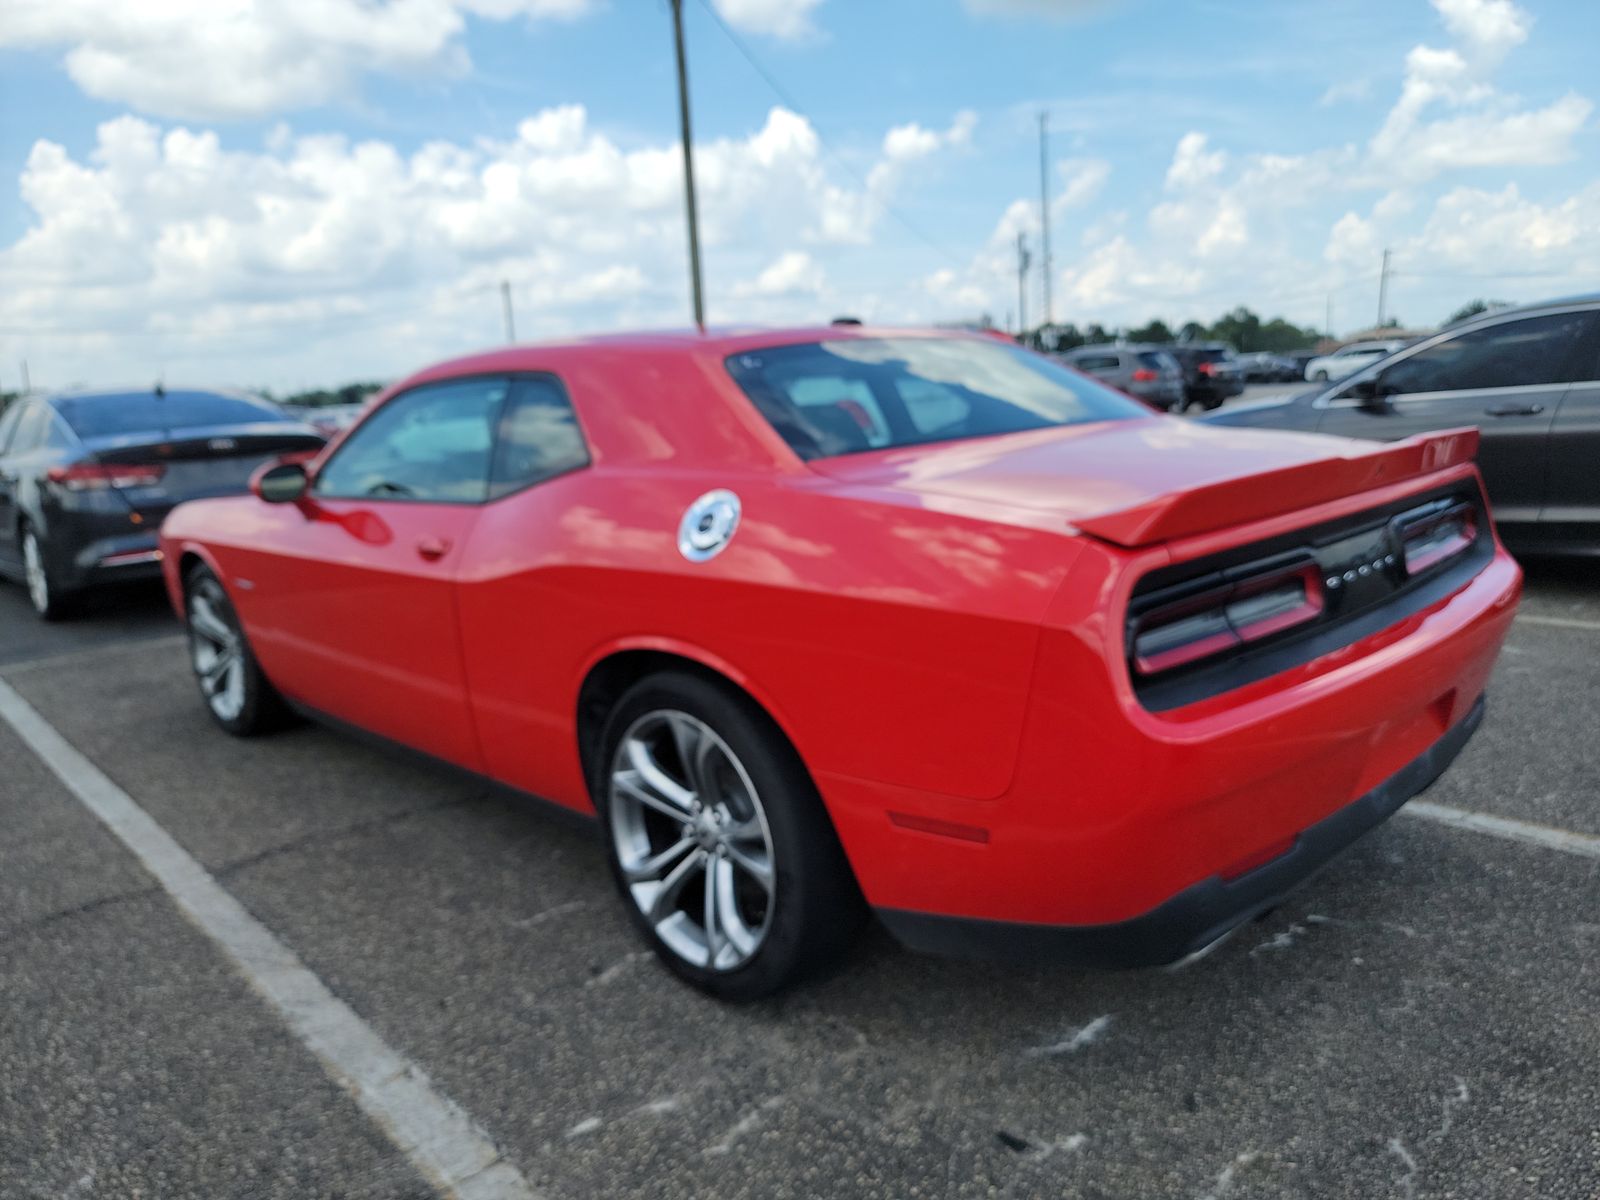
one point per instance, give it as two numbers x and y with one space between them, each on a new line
1373 394
280 482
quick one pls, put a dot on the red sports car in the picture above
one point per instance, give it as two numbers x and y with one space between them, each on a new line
830 619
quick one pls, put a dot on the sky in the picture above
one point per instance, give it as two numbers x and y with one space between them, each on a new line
299 193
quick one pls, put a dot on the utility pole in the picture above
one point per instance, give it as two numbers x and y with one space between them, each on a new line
1383 289
688 169
511 324
1044 213
1022 282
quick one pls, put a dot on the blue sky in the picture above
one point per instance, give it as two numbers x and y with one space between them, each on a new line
295 192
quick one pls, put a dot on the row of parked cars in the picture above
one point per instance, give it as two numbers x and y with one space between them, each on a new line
1171 377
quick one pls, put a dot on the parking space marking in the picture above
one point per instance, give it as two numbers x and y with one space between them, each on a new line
1558 622
436 1135
1582 844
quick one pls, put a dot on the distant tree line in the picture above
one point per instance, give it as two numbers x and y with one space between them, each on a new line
1241 329
350 393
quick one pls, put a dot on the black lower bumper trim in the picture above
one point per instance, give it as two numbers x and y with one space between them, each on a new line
1198 915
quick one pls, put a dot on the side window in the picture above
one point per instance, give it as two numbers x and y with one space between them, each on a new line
538 437
8 422
432 443
933 407
30 428
1097 362
1539 350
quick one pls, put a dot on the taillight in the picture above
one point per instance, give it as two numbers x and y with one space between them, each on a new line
1225 617
1430 540
1206 368
86 477
1145 375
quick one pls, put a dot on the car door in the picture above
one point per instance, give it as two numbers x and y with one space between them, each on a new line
350 596
1572 500
1507 378
10 420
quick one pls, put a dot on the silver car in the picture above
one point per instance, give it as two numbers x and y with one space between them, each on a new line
1145 372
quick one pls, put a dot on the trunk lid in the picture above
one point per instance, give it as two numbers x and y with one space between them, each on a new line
197 463
1138 482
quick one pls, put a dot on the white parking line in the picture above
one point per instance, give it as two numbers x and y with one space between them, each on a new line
439 1139
1582 844
1558 622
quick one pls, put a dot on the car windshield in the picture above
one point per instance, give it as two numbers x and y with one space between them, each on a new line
850 395
113 414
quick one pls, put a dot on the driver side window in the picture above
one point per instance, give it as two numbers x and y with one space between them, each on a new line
433 444
1527 353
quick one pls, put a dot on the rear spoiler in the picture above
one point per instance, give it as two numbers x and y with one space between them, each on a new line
1272 493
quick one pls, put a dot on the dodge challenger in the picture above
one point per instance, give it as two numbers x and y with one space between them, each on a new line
833 621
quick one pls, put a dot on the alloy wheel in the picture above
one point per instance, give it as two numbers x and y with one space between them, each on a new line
33 569
216 650
692 840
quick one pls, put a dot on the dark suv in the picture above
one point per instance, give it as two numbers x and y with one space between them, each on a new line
1210 373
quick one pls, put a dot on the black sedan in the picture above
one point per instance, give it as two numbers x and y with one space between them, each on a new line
1528 378
86 478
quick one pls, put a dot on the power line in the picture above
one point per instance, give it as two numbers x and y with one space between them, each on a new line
794 105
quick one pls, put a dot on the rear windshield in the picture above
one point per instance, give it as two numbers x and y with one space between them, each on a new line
1217 355
1154 359
846 396
110 415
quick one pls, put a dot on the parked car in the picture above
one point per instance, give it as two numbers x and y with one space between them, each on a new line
1528 377
838 618
1347 360
1146 372
85 479
1262 367
1211 375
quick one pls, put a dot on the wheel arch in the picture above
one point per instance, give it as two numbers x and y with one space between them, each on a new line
609 674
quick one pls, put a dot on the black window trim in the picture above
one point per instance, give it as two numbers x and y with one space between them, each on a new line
1331 400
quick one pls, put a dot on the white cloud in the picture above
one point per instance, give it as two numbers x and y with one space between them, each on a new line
1346 91
1490 28
1192 164
774 18
791 274
1082 180
213 59
169 242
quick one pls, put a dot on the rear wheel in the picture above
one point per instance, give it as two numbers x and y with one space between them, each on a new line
718 840
237 694
1320 377
49 601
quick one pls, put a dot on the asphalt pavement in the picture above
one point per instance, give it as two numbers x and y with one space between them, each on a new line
1419 1021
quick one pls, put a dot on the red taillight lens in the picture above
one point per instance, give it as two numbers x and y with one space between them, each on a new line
1145 375
1206 368
1431 540
1218 620
84 477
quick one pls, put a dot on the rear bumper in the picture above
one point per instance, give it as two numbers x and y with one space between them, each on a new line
1198 915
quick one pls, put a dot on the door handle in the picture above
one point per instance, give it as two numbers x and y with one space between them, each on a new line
433 548
1514 410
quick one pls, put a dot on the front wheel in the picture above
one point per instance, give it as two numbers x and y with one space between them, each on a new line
718 841
237 694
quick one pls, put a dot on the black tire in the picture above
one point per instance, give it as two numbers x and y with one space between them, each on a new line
50 601
259 709
816 908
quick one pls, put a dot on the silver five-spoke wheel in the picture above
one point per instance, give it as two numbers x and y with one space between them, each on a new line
33 569
216 650
692 840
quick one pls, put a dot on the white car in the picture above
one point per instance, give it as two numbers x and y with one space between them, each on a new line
1347 360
